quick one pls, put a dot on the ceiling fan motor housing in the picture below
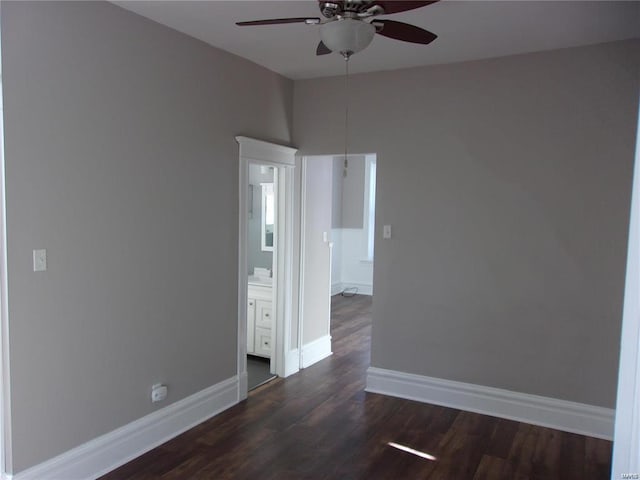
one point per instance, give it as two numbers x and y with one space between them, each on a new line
347 36
349 27
329 9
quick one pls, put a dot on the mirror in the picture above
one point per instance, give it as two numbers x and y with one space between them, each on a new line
268 216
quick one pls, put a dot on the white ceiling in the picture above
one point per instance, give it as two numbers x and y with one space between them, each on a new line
466 30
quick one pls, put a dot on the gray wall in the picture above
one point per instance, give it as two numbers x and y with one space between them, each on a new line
507 184
121 161
348 192
353 193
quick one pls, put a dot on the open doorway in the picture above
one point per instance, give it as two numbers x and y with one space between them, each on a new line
261 290
353 224
337 227
277 238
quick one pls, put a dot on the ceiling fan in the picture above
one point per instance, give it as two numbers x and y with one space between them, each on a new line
348 26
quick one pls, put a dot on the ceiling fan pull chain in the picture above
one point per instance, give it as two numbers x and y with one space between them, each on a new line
346 115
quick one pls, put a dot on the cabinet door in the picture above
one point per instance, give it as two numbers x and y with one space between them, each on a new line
263 342
251 325
263 314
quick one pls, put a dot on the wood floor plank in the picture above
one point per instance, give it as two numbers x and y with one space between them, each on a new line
520 458
490 468
501 439
572 452
597 458
320 424
546 455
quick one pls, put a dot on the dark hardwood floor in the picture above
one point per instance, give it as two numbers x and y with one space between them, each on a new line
320 424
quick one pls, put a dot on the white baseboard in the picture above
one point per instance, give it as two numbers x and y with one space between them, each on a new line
336 288
363 288
291 362
315 351
544 411
243 386
107 452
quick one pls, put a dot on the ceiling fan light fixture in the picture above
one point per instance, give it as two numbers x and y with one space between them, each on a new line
347 36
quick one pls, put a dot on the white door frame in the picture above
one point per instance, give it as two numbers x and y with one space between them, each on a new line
6 456
254 151
309 355
626 441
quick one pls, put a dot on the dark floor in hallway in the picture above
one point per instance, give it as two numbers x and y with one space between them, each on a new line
320 424
258 371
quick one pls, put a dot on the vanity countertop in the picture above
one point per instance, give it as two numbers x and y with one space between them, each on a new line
261 281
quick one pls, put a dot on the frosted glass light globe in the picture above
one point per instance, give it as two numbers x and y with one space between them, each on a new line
347 36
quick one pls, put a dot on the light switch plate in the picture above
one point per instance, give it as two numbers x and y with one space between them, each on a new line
386 231
40 260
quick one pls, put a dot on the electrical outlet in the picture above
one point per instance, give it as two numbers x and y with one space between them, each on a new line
158 392
386 231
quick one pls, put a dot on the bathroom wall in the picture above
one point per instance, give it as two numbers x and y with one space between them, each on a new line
256 257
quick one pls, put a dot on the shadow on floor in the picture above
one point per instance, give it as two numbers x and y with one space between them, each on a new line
258 371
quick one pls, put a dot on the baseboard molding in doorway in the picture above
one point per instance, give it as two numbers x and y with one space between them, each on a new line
357 288
316 350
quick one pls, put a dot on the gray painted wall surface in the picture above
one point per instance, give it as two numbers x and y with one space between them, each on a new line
507 184
348 192
120 161
353 193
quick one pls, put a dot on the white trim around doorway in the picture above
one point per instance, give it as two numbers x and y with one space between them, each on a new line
254 151
6 455
626 442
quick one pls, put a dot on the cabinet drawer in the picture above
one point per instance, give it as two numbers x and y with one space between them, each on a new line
263 342
263 314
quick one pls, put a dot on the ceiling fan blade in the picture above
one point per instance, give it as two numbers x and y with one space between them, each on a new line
403 31
393 6
322 49
278 21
